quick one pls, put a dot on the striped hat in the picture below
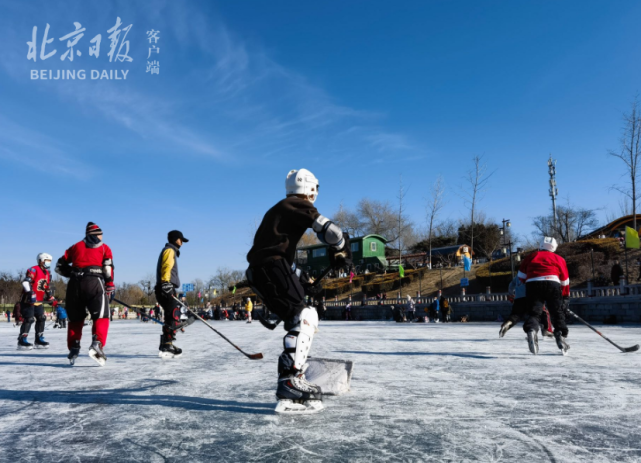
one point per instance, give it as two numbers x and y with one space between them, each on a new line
93 229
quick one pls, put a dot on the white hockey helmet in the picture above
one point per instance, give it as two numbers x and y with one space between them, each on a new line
44 256
548 244
302 182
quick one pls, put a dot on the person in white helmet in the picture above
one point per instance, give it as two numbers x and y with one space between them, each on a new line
273 277
35 291
547 283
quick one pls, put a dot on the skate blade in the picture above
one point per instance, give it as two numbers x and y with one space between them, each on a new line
100 360
25 347
533 345
168 355
287 407
42 347
72 361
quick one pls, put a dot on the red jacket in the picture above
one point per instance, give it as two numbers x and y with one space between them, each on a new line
38 281
546 266
81 256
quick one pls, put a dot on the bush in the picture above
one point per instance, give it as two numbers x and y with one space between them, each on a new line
609 247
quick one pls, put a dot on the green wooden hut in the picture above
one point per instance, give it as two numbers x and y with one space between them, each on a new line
368 253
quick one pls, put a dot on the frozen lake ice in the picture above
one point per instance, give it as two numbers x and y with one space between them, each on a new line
451 392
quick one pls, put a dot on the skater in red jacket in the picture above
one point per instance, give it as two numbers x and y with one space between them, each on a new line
547 283
89 266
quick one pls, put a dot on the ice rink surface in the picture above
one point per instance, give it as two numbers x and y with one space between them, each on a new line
420 392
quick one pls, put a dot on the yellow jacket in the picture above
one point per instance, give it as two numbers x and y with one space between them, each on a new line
249 306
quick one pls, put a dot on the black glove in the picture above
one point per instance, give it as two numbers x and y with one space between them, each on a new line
339 258
308 286
167 288
312 290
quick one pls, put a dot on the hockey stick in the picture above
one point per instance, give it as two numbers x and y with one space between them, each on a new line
622 349
249 356
182 325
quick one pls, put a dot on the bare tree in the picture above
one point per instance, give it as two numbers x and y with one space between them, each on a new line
378 217
630 153
348 221
434 206
148 284
572 223
477 179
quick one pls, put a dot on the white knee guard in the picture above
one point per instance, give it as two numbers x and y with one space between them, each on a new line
298 340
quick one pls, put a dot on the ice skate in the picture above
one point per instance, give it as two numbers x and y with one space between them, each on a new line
167 350
74 352
505 327
561 342
23 344
96 353
545 333
297 396
41 343
533 342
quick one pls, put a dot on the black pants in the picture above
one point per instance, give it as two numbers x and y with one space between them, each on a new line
520 311
171 307
279 288
548 294
86 294
32 314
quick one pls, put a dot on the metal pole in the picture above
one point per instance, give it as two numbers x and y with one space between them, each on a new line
511 260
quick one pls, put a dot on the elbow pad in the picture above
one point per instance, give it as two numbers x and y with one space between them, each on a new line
63 268
108 269
328 232
26 284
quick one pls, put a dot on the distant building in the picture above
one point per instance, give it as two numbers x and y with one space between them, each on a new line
615 229
368 253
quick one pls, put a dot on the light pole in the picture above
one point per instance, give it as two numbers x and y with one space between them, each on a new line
503 231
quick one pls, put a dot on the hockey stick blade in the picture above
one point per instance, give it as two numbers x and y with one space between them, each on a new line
631 349
249 356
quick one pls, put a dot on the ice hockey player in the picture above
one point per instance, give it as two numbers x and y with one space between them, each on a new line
89 266
272 276
167 281
516 295
35 291
547 282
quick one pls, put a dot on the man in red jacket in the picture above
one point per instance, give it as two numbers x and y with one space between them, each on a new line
35 291
89 266
547 283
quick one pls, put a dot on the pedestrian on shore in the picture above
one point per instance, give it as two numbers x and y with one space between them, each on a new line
411 309
616 273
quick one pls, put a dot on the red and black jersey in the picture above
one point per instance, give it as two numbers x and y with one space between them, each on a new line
546 266
38 280
281 230
83 256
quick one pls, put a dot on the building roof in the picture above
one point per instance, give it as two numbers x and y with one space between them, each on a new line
447 249
352 240
613 226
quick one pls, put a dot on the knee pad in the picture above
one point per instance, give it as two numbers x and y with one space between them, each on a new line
30 320
41 318
298 340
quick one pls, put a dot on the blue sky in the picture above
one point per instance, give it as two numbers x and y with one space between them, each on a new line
357 92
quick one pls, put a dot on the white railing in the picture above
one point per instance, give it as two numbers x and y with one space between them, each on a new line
600 291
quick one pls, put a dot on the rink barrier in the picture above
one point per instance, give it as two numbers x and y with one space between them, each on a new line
482 307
